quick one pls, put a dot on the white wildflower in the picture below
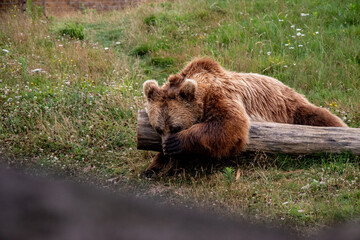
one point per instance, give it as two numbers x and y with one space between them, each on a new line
307 186
268 53
304 14
300 210
4 50
300 45
117 43
106 48
298 29
292 26
285 203
36 70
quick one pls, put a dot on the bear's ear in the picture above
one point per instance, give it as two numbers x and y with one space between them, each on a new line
151 90
188 89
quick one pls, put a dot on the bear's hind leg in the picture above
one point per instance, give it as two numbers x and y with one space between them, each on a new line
316 116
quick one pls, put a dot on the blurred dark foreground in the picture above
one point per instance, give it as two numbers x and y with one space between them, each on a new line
42 208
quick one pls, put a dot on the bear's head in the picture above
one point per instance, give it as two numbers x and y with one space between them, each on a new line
173 107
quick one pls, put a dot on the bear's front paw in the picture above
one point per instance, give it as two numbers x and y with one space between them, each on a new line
171 146
148 174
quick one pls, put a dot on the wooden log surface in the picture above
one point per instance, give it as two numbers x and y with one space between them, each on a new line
274 138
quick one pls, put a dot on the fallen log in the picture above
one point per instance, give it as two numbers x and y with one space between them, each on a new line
274 138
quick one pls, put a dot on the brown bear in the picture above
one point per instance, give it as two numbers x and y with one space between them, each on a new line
207 110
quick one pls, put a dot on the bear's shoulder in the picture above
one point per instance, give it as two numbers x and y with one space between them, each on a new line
200 65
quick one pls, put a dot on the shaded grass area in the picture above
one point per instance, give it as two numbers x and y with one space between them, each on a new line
294 191
70 88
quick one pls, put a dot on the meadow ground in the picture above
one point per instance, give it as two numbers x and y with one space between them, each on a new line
70 88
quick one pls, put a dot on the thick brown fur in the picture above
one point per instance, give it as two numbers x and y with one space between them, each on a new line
207 110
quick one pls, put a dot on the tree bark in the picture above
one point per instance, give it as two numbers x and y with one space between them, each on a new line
44 8
274 138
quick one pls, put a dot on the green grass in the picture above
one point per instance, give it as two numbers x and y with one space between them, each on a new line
73 30
70 88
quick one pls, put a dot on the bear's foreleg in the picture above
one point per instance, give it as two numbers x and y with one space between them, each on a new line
223 132
159 164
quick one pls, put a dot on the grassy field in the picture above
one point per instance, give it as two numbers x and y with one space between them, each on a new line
70 88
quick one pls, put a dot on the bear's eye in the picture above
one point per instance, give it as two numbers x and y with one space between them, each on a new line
158 130
175 129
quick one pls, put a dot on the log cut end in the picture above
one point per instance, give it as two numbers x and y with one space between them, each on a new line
147 137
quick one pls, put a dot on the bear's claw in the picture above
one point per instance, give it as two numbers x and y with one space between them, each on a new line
148 174
172 146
